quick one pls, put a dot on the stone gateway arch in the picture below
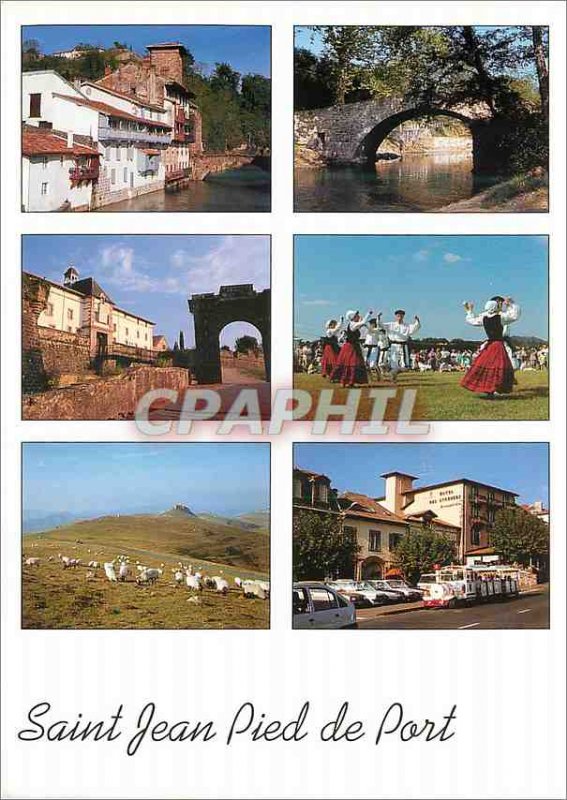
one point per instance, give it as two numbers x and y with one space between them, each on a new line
351 133
211 312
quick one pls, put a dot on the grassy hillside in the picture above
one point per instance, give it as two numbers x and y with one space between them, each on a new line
176 535
53 597
259 518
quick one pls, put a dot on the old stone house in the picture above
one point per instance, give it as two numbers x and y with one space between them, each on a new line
82 310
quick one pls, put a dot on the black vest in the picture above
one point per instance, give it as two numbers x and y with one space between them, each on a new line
493 328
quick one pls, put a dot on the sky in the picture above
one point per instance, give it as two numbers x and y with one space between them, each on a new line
245 47
99 479
521 468
153 276
430 276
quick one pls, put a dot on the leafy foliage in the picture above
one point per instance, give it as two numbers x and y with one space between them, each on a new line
420 549
236 110
320 548
518 536
246 344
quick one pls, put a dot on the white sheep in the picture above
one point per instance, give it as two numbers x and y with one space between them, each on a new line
149 575
110 571
32 562
124 571
238 582
178 576
259 589
221 585
193 582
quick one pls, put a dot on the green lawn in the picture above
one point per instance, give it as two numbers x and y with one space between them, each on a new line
440 397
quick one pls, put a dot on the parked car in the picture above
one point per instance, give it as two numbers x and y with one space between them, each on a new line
316 605
410 592
361 592
394 595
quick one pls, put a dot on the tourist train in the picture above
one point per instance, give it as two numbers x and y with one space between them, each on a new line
455 585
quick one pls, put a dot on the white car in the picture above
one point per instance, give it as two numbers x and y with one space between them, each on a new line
410 592
361 591
393 595
316 605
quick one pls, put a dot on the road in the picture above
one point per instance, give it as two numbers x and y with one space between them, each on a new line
530 610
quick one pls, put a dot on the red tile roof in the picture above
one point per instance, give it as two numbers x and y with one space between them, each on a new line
45 143
110 111
370 507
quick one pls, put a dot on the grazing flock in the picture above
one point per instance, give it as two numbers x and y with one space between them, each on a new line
120 569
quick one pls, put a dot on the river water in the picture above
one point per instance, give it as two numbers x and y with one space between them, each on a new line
414 183
242 190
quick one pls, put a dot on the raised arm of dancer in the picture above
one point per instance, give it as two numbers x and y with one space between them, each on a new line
512 313
354 326
330 331
414 326
473 319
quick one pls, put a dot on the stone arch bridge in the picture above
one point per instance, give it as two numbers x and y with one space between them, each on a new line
351 133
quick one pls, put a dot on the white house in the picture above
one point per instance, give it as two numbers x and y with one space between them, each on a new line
130 136
57 172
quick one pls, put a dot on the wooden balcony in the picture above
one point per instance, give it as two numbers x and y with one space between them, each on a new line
84 172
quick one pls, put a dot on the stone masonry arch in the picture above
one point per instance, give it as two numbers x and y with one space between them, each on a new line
211 312
351 133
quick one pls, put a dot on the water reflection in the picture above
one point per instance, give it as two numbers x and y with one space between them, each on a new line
237 190
414 183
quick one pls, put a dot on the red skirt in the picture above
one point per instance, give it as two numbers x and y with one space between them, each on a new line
491 371
350 368
328 361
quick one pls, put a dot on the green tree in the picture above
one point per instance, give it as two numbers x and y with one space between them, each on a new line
313 80
518 536
181 340
225 78
92 65
347 48
420 549
320 548
246 344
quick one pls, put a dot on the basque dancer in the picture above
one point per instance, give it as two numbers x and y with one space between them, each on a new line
350 367
371 344
399 333
331 347
492 370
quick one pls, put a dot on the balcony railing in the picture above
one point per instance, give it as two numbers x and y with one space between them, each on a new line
105 132
84 173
